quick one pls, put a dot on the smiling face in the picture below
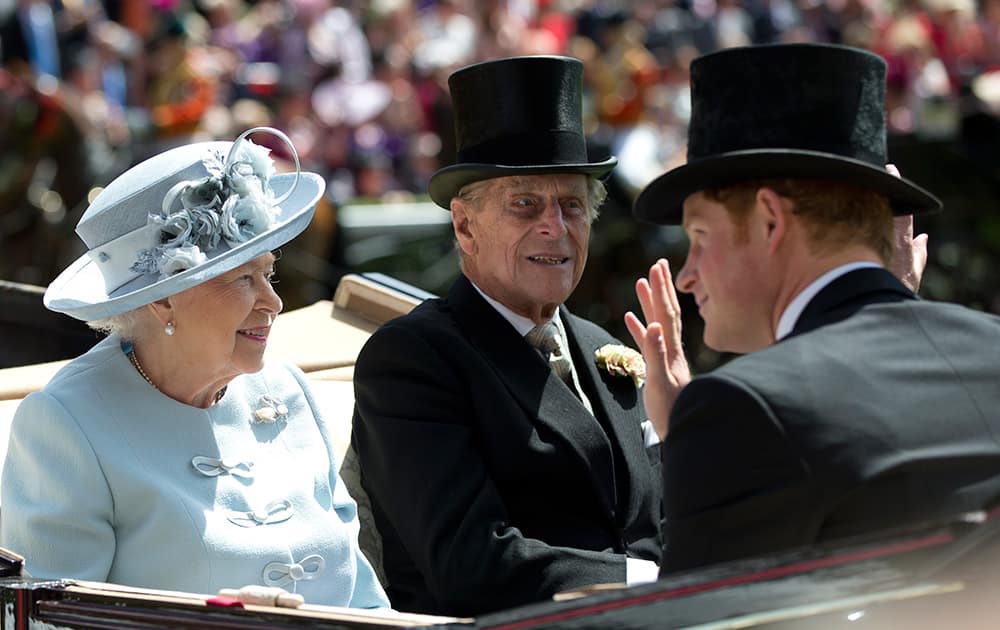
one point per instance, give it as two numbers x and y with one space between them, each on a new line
524 239
222 324
725 272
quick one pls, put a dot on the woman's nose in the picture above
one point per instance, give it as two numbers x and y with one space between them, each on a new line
271 301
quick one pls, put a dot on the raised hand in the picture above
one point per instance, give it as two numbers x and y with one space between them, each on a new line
909 252
667 370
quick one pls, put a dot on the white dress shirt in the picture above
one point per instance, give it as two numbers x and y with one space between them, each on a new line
523 326
798 304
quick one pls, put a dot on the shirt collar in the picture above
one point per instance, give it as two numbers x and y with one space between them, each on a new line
521 324
794 309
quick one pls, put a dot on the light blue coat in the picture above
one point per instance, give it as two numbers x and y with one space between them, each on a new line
107 479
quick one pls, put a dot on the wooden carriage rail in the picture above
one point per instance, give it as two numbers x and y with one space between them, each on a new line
937 576
928 577
80 604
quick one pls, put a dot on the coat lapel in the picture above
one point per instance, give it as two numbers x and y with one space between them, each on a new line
614 398
532 383
848 293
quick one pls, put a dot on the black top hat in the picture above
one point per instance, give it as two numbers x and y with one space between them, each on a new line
516 116
784 110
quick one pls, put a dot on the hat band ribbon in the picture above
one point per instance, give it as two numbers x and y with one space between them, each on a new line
553 147
126 248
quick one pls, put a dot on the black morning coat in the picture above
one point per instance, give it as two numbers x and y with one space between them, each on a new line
880 410
491 484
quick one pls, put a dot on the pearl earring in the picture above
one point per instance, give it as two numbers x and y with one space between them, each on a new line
169 329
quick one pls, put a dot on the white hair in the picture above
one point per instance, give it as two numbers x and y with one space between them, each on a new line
473 194
125 325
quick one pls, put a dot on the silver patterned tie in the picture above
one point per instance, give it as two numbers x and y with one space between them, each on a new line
545 337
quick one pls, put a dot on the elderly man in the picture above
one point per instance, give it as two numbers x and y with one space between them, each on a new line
503 463
857 407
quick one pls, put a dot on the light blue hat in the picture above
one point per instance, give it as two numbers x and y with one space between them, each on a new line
180 218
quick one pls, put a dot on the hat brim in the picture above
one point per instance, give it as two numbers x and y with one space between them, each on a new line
662 200
446 182
79 291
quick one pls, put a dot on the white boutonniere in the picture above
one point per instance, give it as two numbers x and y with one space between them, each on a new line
621 360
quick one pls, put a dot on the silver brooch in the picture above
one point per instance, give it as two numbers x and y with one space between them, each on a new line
270 411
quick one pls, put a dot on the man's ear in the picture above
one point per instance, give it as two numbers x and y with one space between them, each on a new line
773 216
461 221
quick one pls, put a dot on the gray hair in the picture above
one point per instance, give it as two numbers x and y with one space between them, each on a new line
472 194
125 325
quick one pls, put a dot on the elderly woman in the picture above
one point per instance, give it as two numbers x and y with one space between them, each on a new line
170 456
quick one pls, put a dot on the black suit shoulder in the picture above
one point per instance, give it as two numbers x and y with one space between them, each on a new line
878 345
430 317
892 404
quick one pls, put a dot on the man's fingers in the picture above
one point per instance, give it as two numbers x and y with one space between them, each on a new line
658 279
636 329
660 338
668 308
658 352
654 351
645 294
673 302
903 227
658 298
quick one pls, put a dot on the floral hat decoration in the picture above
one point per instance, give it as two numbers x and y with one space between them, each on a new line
180 218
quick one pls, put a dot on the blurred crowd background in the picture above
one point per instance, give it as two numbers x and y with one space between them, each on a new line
91 87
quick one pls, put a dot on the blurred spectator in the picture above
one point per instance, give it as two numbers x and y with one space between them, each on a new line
336 38
92 86
28 33
448 35
733 24
180 91
989 26
956 38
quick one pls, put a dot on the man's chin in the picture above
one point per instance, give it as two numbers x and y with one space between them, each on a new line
717 342
554 293
731 346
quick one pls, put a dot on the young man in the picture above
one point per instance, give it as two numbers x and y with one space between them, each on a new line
500 474
856 407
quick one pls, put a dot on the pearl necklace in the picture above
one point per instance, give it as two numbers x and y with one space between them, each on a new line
134 360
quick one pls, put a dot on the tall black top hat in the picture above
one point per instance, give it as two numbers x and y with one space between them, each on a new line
516 116
785 110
